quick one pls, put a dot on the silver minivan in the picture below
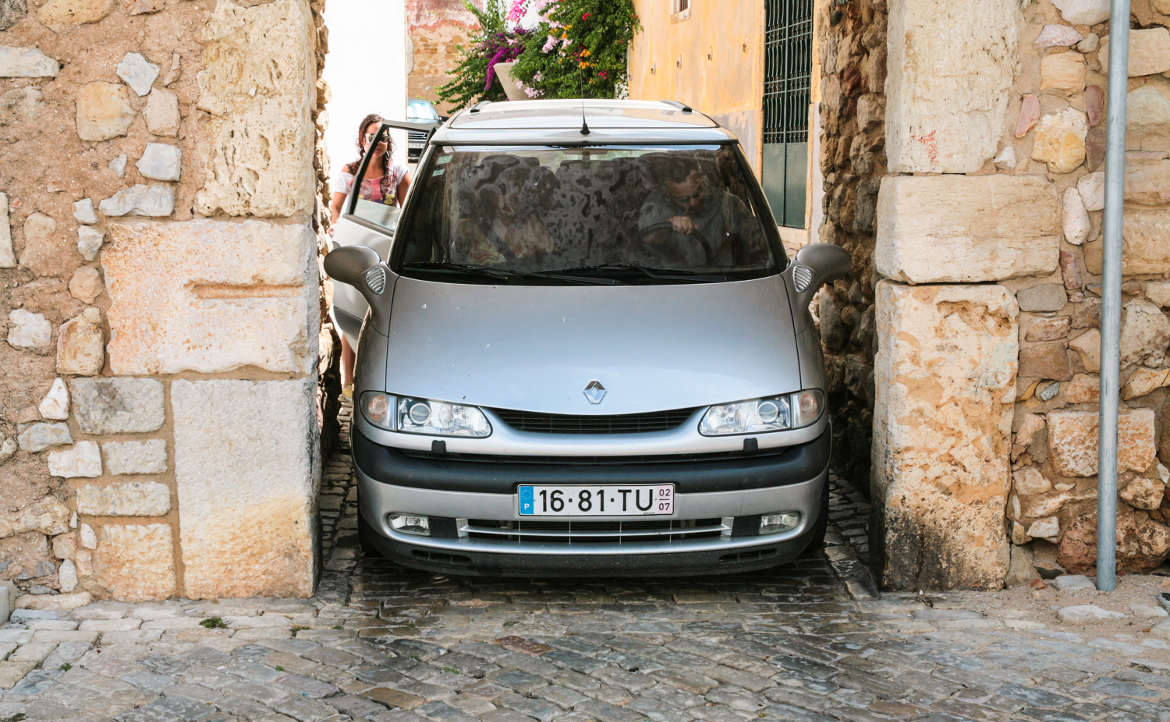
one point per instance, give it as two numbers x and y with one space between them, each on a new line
581 350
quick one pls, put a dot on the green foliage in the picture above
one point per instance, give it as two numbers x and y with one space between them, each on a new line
580 50
467 79
213 623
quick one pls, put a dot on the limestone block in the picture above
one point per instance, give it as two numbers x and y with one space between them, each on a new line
1047 360
87 537
1149 52
45 253
141 200
29 330
161 161
89 242
1142 492
1047 528
137 72
1042 297
117 405
1072 441
1075 219
1092 190
1088 347
947 93
1158 292
135 562
162 112
945 379
1083 12
1148 119
67 576
1040 328
1094 107
26 63
86 284
220 295
1145 333
966 228
7 255
135 457
55 405
134 498
1144 246
118 165
74 12
258 84
38 437
103 111
1063 71
1029 482
245 486
11 12
47 516
20 105
8 448
1060 140
80 348
1148 182
80 460
83 211
1057 36
1029 115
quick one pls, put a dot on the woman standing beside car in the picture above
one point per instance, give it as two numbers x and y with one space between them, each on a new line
384 182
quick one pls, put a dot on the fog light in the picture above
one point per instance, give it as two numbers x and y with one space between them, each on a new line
410 523
779 521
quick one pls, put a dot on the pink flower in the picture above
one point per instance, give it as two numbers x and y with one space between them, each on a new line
549 44
518 10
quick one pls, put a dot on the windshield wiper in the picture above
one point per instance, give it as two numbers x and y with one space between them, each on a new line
466 269
657 274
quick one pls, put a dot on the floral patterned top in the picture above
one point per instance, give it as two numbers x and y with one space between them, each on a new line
383 189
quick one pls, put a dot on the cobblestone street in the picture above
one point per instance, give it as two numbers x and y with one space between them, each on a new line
802 642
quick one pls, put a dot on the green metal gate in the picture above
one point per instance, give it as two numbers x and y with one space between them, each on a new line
787 73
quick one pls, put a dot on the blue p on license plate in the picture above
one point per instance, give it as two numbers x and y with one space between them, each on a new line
561 500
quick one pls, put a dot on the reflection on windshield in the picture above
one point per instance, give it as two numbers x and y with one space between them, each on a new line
658 211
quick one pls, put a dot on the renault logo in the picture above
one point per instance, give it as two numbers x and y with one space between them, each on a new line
595 392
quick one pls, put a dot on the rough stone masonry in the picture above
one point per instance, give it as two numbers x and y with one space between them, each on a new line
159 297
989 238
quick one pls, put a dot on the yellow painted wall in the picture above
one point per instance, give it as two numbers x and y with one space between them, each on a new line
712 60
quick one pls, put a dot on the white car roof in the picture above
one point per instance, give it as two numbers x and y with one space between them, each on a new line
562 121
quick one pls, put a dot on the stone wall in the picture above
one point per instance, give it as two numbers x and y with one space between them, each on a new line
434 30
159 296
997 139
853 61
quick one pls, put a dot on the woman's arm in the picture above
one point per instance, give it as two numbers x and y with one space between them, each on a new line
335 207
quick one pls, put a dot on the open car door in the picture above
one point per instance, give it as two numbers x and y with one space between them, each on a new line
370 224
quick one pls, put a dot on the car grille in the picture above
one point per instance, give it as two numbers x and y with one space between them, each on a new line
596 424
663 531
416 136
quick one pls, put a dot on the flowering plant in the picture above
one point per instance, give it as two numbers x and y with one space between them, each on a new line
474 79
578 49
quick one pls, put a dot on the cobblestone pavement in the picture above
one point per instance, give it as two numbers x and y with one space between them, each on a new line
382 643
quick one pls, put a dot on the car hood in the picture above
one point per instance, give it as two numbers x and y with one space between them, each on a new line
536 348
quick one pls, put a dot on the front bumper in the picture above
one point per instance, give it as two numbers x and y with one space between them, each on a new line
461 494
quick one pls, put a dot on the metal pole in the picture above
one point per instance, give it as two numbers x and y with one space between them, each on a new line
1111 298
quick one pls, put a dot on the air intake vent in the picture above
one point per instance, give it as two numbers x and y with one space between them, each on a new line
376 279
801 276
594 424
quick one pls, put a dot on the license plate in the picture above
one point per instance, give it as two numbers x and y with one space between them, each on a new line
634 500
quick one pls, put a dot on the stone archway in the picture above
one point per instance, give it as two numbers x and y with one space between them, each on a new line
160 297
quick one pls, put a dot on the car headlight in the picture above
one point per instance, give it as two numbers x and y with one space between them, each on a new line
424 416
775 413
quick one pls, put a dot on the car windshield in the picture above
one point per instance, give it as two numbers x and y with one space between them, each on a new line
421 111
624 214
